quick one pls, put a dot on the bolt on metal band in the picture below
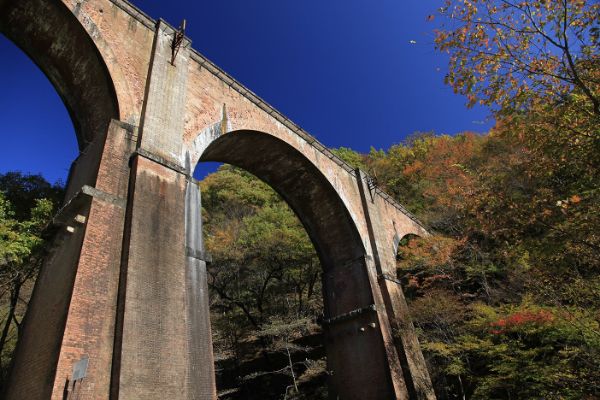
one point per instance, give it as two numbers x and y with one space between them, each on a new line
350 315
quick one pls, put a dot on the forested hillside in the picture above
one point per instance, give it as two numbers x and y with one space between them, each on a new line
505 294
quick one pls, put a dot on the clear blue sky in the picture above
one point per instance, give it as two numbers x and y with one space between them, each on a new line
344 70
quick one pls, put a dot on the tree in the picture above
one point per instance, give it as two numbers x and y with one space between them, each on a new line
265 289
517 351
24 234
429 174
353 158
510 53
513 215
282 333
255 237
21 253
23 190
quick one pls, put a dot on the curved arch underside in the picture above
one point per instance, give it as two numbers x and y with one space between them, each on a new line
56 41
301 184
346 284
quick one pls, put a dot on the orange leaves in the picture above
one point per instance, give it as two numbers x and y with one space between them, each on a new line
413 168
413 282
522 44
433 253
443 167
575 199
566 203
436 278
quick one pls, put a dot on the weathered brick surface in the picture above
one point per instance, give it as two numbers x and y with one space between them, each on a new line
113 173
32 376
154 341
124 42
162 125
120 288
387 222
90 324
89 330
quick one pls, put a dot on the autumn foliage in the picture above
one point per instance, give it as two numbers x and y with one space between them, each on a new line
510 53
519 319
506 293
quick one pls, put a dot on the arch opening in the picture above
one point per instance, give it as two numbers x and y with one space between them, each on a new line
264 289
37 133
53 38
346 284
50 34
33 166
300 183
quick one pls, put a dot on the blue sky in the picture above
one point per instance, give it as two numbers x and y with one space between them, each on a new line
344 70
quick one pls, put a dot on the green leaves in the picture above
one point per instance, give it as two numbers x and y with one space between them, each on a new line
20 239
23 191
523 351
24 218
353 158
265 283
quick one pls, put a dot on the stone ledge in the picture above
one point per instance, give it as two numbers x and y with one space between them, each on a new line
160 160
198 254
75 203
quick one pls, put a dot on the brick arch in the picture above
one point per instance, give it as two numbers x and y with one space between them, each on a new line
51 35
302 185
338 243
399 238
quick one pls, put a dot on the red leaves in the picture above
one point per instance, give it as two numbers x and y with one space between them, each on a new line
520 319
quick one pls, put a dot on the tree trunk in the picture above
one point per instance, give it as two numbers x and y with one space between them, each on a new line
14 298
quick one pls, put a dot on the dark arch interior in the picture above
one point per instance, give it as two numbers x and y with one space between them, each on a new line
301 185
55 40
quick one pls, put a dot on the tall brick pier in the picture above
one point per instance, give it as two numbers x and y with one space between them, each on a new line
120 310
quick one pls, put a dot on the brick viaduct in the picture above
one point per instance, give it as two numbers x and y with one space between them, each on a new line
125 285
